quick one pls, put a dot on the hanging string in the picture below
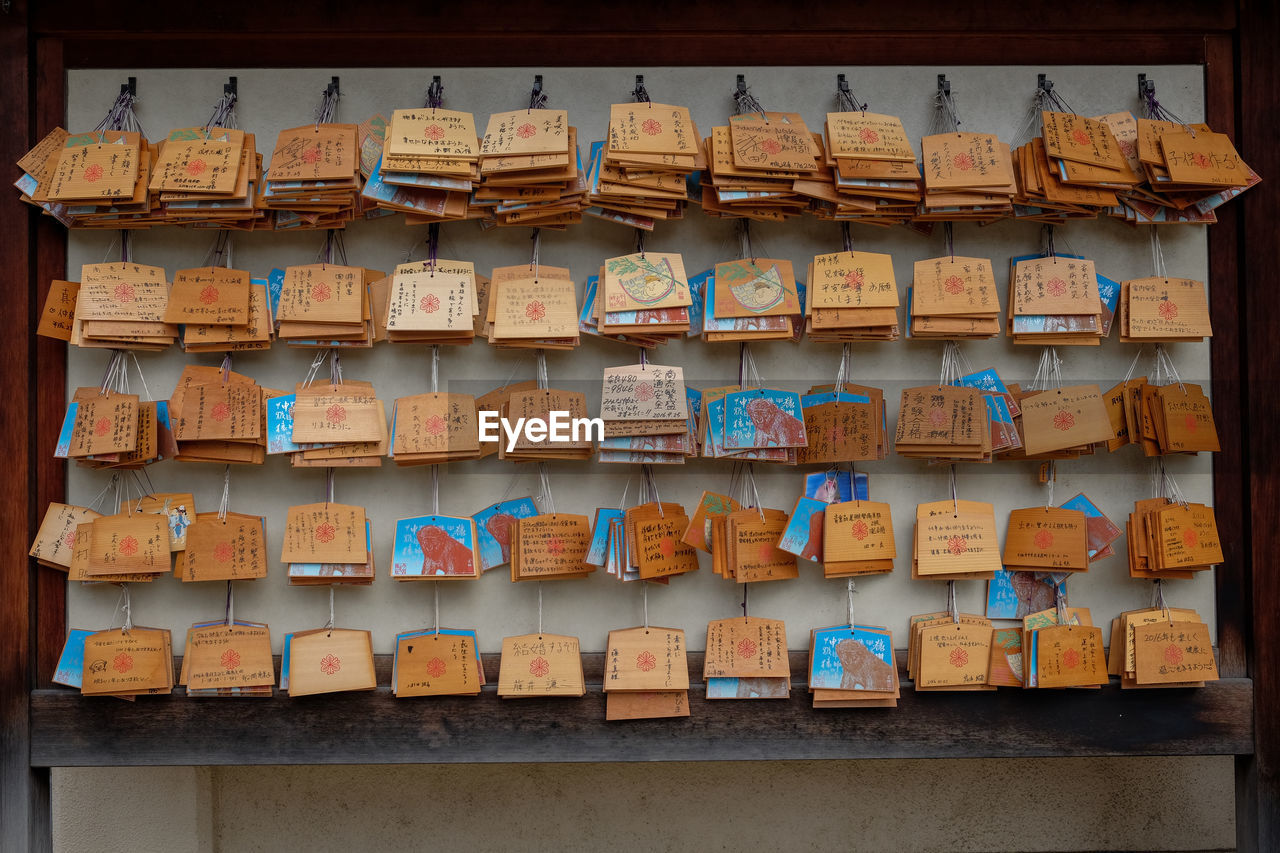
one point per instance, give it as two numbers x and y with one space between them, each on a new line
846 102
328 106
852 591
745 587
946 118
1157 254
1060 602
226 495
1050 476
548 501
121 115
744 102
435 489
951 602
949 239
127 608
755 493
539 610
329 624
224 115
328 485
435 625
534 253
955 502
842 372
434 99
644 585
231 605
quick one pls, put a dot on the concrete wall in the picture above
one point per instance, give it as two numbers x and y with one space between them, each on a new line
1025 805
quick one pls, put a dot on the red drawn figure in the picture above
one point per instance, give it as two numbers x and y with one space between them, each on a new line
1055 287
311 155
1064 420
335 414
774 426
644 391
123 663
1079 137
555 546
429 304
1200 160
860 530
70 539
959 657
442 554
435 425
230 659
1071 658
538 667
526 130
209 295
1190 538
938 417
1172 654
746 648
953 285
220 412
321 292
499 527
124 292
222 552
1190 423
435 667
668 547
645 661
1043 539
853 279
535 311
330 664
434 132
325 532
963 161
957 545
771 146
93 173
1167 310
128 546
196 168
102 427
651 126
869 136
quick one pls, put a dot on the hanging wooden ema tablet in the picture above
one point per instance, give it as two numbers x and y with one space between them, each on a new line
103 164
1162 309
1054 300
540 415
435 427
221 657
1061 418
646 674
1173 651
437 663
121 306
955 539
653 532
128 544
132 662
954 297
209 296
853 296
533 306
56 538
842 424
751 539
550 546
954 655
435 547
943 422
645 413
205 164
323 533
432 302
534 665
857 539
1070 656
853 666
330 660
747 658
1046 539
230 546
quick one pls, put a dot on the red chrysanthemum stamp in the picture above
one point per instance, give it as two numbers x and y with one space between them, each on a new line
1172 654
429 304
1064 420
311 155
220 412
555 546
124 292
102 426
953 285
335 414
321 292
434 132
222 552
667 547
1126 148
538 667
860 530
869 136
1071 658
958 658
435 425
526 130
330 664
122 663
1190 423
325 532
128 546
1043 539
645 661
197 167
1190 538
1202 161
70 539
230 659
771 146
938 417
1055 287
209 295
853 278
651 126
963 161
644 391
765 554
535 310
746 648
1079 137
436 667
1167 310
957 545
93 173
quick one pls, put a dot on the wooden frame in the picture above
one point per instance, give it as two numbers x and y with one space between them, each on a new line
1236 716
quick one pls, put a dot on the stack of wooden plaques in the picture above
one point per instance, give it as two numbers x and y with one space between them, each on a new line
753 164
646 674
955 540
327 660
427 429
967 176
857 539
747 659
132 543
38 166
549 432
843 427
638 328
638 173
437 662
1063 648
1169 539
208 176
1163 310
540 665
852 666
870 169
611 548
128 662
533 306
949 652
645 414
222 546
1072 170
649 539
435 547
531 169
643 297
1189 169
428 167
432 303
221 660
122 305
752 299
56 537
954 298
313 180
1162 647
211 320
744 546
943 422
328 543
853 296
110 429
334 425
1061 423
91 180
1054 301
550 547
1046 539
218 416
326 305
1164 419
